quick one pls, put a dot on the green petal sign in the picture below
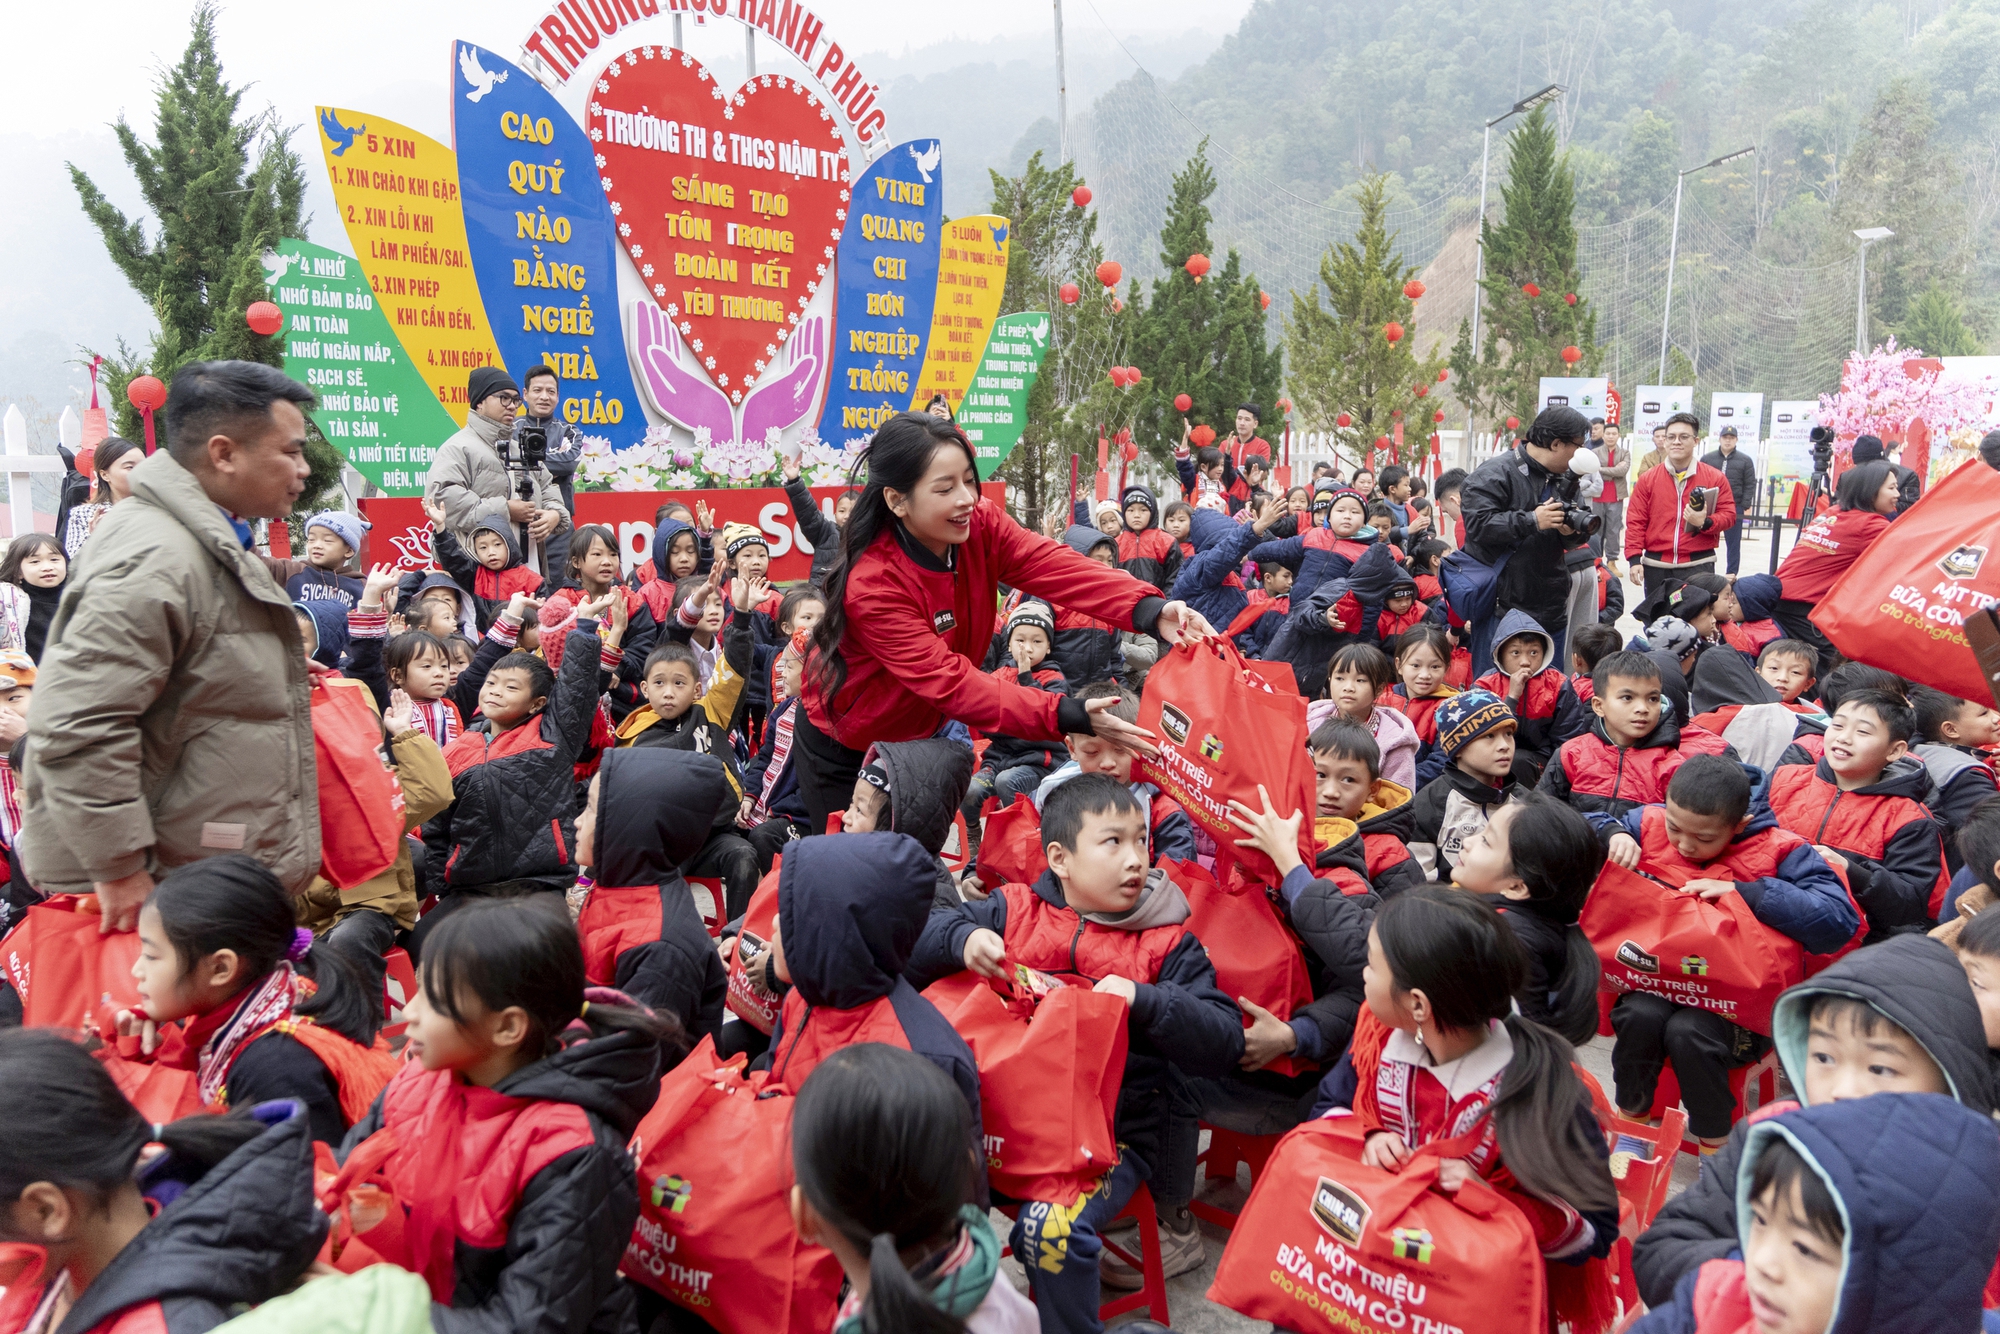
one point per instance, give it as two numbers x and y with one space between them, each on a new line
374 406
995 410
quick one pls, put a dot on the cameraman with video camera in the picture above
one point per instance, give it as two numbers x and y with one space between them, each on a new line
494 467
1523 511
1678 510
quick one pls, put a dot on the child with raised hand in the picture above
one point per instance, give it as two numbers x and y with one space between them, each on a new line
1328 547
511 827
503 1137
32 577
1363 820
772 811
1632 749
1098 915
591 574
1357 680
1447 1045
218 945
1169 831
885 1180
420 665
1423 660
1535 861
493 571
332 549
1475 731
1953 736
1012 766
1898 1017
1709 839
164 1246
1209 582
1534 685
1863 807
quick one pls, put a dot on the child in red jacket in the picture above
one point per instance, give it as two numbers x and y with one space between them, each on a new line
1536 688
1632 749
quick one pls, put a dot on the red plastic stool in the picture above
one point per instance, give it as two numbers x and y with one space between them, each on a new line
1764 1073
399 984
713 919
957 851
1152 1294
1226 1151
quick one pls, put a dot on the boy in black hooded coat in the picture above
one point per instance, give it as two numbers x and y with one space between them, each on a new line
648 815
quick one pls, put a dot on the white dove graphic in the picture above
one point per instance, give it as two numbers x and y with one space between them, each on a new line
276 266
481 81
927 160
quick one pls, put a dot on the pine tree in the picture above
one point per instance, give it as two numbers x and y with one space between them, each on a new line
1052 242
1522 336
1204 339
224 188
1341 361
1901 174
1937 325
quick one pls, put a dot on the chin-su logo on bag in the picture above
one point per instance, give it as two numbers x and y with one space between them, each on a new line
676 1189
1693 965
1962 563
1175 724
1411 1243
1637 959
1340 1211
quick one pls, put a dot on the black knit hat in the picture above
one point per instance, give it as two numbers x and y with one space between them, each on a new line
485 381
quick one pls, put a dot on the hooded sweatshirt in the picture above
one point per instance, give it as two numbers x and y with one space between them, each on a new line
492 589
1910 1174
641 931
1152 542
329 630
525 1189
1914 982
927 782
1212 582
850 911
1549 711
238 1234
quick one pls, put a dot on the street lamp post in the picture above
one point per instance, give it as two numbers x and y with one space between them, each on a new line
1673 246
1867 236
1528 103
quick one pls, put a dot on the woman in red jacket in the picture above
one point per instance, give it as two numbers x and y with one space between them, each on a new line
1867 498
910 615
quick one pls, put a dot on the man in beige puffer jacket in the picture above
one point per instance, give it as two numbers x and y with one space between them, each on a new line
172 719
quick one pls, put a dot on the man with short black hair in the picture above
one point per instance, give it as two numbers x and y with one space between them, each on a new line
172 717
1513 512
1672 529
1741 471
1450 526
471 481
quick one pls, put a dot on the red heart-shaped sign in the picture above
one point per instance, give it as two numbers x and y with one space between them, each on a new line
730 204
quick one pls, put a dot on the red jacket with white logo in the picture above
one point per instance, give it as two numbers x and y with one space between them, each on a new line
1653 516
1895 857
1829 544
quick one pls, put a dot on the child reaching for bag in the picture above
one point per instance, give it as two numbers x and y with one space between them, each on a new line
1012 766
217 947
886 1183
223 1219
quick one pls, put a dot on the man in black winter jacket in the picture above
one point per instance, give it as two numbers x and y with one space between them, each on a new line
1913 990
1741 470
1512 507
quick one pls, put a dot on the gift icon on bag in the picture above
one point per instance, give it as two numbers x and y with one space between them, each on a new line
1693 965
1211 748
675 1188
1411 1243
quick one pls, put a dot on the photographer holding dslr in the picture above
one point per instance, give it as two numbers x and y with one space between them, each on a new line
1678 510
495 467
1523 511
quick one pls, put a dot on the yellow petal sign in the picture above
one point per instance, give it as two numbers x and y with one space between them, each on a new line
398 194
972 274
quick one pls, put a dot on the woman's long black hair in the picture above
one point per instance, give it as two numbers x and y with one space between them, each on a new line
896 459
882 1150
1468 963
1557 856
1860 485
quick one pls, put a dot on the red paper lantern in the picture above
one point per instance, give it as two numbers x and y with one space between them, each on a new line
1343 421
1070 293
1263 300
1182 402
1383 442
1118 376
1117 305
264 318
1513 423
1080 196
1284 405
1392 331
1570 297
1438 416
1532 290
1129 450
1443 375
1109 272
1572 354
147 394
1203 436
1422 390
1133 375
1413 289
1197 264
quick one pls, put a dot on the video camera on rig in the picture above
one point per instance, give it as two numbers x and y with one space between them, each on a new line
522 452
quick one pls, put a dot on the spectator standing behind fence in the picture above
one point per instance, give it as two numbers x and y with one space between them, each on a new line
470 481
1615 465
172 720
1741 470
1675 538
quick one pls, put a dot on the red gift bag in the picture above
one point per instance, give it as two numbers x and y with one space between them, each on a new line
1050 1068
1255 954
1010 849
360 801
1223 729
1902 604
715 1231
63 970
1326 1244
745 999
162 1093
1714 956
